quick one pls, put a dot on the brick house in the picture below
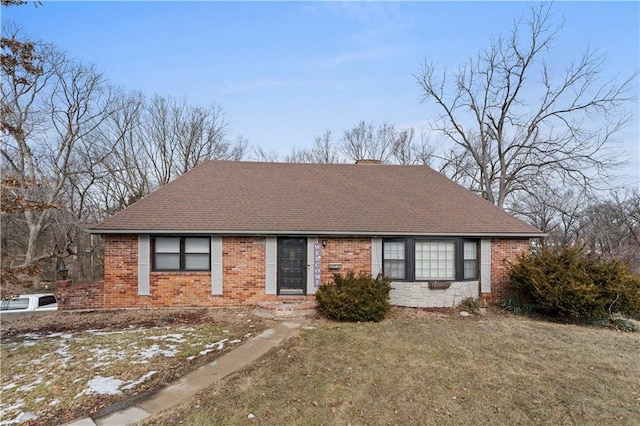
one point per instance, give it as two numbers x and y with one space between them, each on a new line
239 233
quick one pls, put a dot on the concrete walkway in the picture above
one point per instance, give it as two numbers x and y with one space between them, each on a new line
197 380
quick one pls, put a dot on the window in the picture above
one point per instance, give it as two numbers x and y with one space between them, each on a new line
470 260
394 265
47 300
418 259
435 260
181 254
15 304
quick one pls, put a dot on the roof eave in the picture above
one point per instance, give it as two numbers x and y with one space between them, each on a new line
317 233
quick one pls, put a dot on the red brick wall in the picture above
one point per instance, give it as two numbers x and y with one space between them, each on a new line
353 254
80 296
243 270
243 263
503 251
121 271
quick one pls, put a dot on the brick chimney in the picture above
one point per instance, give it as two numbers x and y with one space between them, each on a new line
368 161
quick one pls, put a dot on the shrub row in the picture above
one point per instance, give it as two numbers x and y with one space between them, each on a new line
570 283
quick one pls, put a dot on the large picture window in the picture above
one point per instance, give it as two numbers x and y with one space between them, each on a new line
435 260
181 254
421 259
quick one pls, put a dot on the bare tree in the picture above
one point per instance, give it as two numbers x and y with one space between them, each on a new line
365 141
47 115
322 151
177 136
513 121
611 227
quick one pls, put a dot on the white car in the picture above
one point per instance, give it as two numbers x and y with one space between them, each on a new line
39 302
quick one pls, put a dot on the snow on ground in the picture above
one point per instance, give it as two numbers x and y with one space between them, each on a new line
94 363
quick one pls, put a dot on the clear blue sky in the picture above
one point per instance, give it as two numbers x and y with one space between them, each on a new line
286 71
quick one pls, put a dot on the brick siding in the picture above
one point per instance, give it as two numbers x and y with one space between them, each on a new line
243 264
353 254
80 296
503 252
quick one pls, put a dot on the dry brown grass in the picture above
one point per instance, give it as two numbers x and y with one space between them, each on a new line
433 369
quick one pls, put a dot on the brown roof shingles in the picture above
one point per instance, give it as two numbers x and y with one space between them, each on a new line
284 198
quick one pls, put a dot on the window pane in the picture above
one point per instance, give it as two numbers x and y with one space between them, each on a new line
167 262
196 245
393 264
394 269
470 269
196 262
470 260
15 304
435 260
470 250
394 250
47 300
167 245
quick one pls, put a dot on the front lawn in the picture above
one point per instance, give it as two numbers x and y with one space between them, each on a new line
428 368
63 366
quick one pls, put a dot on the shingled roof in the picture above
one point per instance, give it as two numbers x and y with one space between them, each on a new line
242 198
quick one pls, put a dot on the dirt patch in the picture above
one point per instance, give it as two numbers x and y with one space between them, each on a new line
108 320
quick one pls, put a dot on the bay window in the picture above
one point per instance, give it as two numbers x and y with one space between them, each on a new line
430 259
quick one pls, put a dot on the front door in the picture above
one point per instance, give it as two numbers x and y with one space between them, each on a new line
292 266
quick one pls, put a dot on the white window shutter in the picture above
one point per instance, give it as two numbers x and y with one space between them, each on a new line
271 266
485 265
376 256
144 269
311 252
216 266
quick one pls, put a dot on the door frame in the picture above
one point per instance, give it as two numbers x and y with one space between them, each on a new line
304 268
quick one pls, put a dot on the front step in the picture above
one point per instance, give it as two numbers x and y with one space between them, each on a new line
286 309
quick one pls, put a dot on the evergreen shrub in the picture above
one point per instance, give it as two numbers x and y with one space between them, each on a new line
355 298
568 282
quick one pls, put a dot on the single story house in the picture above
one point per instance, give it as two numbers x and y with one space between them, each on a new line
239 233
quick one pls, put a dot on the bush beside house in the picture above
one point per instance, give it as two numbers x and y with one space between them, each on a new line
567 282
355 298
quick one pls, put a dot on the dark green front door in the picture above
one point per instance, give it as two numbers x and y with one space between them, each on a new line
292 266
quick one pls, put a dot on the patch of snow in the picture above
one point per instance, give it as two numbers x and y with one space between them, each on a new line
8 386
30 386
54 403
219 345
61 335
20 418
155 350
29 343
135 383
102 386
175 338
35 336
63 352
11 408
236 341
